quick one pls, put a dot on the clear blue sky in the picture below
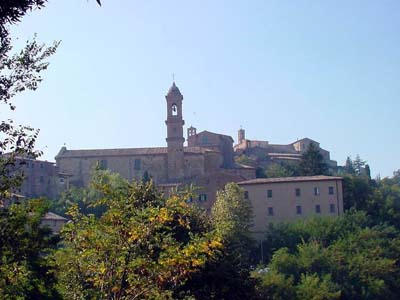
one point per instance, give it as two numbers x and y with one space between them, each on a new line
281 69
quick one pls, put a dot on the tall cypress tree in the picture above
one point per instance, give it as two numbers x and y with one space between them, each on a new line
312 162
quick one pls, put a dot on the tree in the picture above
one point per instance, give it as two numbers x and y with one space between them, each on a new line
18 72
85 198
349 168
343 257
281 170
312 162
143 246
359 165
245 160
368 171
146 176
227 276
357 191
25 269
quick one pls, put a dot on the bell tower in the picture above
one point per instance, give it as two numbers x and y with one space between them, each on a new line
175 137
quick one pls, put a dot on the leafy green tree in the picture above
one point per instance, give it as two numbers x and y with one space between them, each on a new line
87 197
280 170
325 230
274 286
358 265
245 160
357 191
143 246
25 270
313 287
18 72
359 165
227 276
312 162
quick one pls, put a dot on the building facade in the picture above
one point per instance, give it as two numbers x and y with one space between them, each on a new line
207 160
277 153
289 198
41 178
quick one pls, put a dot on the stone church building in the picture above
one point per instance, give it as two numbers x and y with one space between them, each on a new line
207 161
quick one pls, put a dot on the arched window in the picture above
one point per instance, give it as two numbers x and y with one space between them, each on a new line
174 109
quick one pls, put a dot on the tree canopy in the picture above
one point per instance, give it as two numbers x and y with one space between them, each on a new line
312 162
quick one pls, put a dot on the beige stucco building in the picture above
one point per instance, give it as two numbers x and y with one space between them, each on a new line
290 198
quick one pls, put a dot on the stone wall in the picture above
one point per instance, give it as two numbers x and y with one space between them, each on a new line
216 142
129 167
41 179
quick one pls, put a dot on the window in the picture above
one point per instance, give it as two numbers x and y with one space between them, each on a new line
41 166
41 179
204 139
174 109
202 198
246 195
32 165
316 191
331 190
269 194
190 200
270 211
298 209
298 192
103 164
332 208
318 209
62 180
137 164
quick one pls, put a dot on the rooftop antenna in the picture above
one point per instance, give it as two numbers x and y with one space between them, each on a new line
173 77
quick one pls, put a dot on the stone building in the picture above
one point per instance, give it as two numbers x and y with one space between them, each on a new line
41 178
54 222
276 153
290 198
207 160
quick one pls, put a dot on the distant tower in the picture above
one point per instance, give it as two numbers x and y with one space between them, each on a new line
191 136
241 136
191 131
175 137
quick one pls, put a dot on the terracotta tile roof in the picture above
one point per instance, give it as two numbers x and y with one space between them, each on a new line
242 166
128 152
53 216
285 154
289 179
220 134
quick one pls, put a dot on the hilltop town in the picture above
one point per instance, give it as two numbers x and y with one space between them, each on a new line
205 159
207 215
